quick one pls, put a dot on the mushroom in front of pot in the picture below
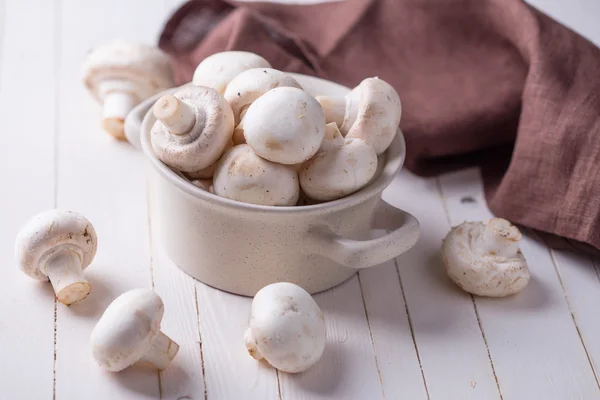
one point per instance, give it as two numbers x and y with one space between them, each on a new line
484 258
193 128
217 70
371 111
341 167
120 75
287 328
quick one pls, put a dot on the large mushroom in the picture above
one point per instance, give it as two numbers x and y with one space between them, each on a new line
57 245
371 111
129 332
285 125
244 176
217 70
485 259
248 86
287 328
120 75
341 167
193 128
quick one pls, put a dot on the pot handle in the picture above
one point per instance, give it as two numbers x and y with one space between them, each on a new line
403 233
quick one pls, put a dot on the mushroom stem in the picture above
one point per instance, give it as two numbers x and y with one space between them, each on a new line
117 105
251 345
66 275
501 238
177 116
161 351
334 108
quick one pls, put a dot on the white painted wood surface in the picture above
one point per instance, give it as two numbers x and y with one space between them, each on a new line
400 330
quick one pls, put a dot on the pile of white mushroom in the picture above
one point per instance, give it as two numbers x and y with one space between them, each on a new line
248 132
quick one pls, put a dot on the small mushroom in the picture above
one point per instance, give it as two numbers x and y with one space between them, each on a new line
248 86
57 245
485 259
193 128
244 176
217 70
370 112
129 332
338 170
333 137
287 328
120 75
285 125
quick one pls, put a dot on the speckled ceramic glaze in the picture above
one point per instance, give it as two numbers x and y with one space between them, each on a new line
240 248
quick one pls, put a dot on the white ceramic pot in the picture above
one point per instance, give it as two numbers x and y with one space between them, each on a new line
240 248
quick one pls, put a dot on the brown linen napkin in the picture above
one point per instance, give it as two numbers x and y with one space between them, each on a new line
489 82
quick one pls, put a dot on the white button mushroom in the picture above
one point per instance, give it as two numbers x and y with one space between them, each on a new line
120 75
285 125
129 332
248 86
193 128
338 169
485 259
370 112
244 176
217 70
287 328
57 245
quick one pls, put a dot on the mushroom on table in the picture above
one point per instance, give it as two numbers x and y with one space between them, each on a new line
371 111
57 245
485 259
120 75
129 332
193 128
287 328
217 70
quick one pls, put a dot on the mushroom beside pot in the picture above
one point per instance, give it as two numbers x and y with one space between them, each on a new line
285 125
217 70
244 176
120 75
57 245
286 328
485 259
341 167
248 86
371 111
129 332
193 128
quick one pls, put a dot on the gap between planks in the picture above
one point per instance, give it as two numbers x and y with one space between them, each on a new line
438 185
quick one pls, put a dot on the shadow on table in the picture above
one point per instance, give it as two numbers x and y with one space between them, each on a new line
102 294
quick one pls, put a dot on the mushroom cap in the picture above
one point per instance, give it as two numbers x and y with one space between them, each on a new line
124 332
476 269
49 232
338 171
244 176
146 67
285 125
373 112
208 172
208 138
287 328
248 86
217 70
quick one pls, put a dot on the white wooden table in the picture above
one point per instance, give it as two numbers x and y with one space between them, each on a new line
398 331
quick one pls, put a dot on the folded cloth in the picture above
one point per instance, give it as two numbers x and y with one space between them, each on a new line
490 82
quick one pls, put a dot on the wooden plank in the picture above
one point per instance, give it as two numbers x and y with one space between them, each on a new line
395 349
105 180
531 334
347 369
580 277
185 375
447 334
230 372
26 305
